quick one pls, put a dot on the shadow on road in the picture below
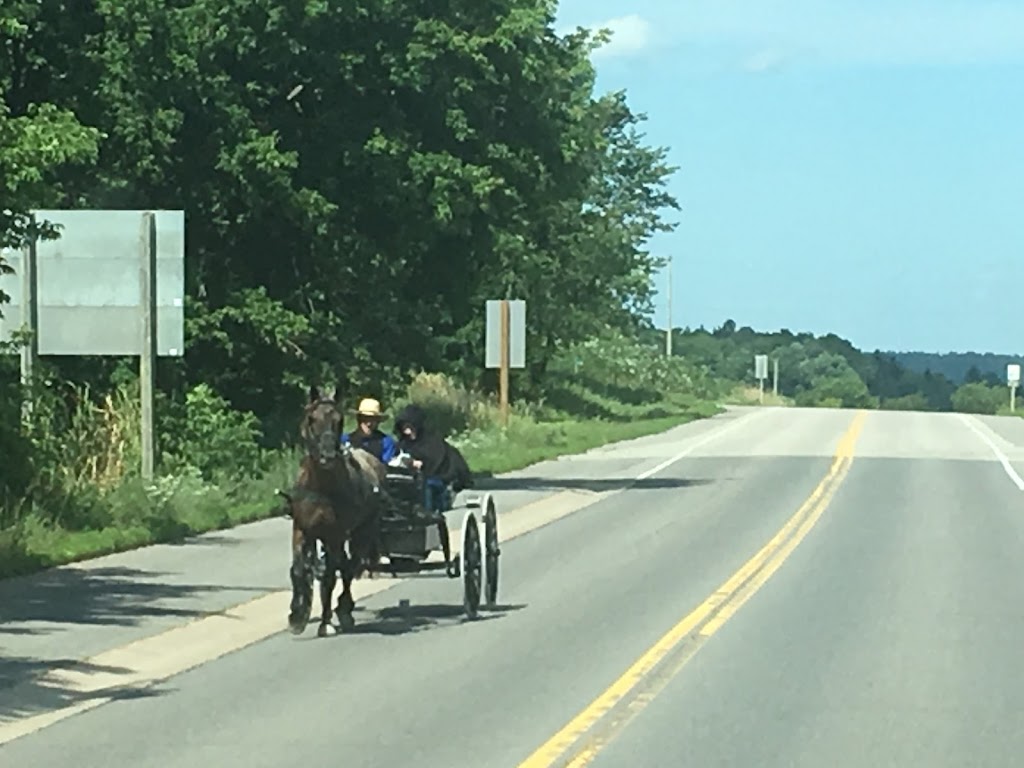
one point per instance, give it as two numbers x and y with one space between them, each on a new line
206 540
117 595
596 484
29 686
402 619
52 602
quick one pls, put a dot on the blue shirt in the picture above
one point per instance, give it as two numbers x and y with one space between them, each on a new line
379 444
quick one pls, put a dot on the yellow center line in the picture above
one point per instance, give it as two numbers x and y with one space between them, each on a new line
641 682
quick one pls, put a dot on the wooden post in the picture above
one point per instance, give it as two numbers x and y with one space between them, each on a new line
505 354
668 331
29 321
147 360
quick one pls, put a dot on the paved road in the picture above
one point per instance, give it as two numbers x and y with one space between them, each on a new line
889 636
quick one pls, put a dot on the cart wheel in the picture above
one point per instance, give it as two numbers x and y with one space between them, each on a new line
471 565
492 551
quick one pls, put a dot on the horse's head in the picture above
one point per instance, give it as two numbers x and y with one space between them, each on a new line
322 425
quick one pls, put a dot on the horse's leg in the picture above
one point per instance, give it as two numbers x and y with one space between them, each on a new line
346 602
302 582
327 582
363 545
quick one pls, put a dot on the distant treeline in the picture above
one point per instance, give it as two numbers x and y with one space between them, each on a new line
829 371
960 367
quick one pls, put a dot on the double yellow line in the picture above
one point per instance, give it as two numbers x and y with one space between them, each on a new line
580 741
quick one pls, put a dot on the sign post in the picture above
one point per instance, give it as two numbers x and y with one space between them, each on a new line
668 331
1013 379
147 353
112 284
505 344
30 322
761 372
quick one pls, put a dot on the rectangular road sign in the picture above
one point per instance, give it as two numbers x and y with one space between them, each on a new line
516 334
761 367
89 295
1013 373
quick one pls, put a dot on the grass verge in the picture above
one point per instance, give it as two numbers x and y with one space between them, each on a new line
745 395
175 508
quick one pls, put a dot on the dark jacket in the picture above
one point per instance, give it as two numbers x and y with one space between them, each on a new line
440 459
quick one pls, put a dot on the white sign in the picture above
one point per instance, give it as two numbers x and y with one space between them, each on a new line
89 294
761 367
516 334
1013 374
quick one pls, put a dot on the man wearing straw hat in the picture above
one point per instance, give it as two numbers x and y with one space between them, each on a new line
368 435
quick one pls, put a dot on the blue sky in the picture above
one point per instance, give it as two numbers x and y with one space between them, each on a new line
846 166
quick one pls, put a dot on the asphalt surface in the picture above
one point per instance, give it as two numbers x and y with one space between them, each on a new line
889 637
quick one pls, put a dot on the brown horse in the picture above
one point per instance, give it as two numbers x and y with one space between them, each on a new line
337 499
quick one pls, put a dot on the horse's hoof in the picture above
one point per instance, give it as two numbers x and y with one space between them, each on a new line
297 627
346 621
326 630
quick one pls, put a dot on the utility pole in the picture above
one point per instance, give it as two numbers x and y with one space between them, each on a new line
668 331
775 377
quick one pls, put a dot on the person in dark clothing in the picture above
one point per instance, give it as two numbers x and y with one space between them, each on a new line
440 462
445 470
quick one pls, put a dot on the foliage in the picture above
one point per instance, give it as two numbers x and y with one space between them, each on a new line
827 371
357 181
960 367
812 370
979 397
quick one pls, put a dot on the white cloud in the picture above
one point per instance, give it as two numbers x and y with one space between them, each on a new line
762 35
873 32
630 34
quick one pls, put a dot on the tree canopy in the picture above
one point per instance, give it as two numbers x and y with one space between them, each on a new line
358 178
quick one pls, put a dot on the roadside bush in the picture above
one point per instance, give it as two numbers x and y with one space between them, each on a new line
16 466
912 402
978 397
208 439
451 408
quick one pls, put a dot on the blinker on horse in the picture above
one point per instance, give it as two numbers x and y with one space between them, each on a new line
322 426
337 499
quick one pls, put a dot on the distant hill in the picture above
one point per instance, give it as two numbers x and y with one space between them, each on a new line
959 367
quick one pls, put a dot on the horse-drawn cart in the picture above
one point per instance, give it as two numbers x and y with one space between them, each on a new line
336 503
414 526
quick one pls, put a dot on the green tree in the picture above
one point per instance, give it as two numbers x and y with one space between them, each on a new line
38 140
978 397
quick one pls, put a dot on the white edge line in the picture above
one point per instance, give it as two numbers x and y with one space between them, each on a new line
1007 467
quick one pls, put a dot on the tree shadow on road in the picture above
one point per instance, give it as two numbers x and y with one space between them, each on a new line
100 596
44 605
206 540
33 686
405 619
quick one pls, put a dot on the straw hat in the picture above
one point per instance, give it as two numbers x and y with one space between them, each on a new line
369 407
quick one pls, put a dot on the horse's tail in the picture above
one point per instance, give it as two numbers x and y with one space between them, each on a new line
288 499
